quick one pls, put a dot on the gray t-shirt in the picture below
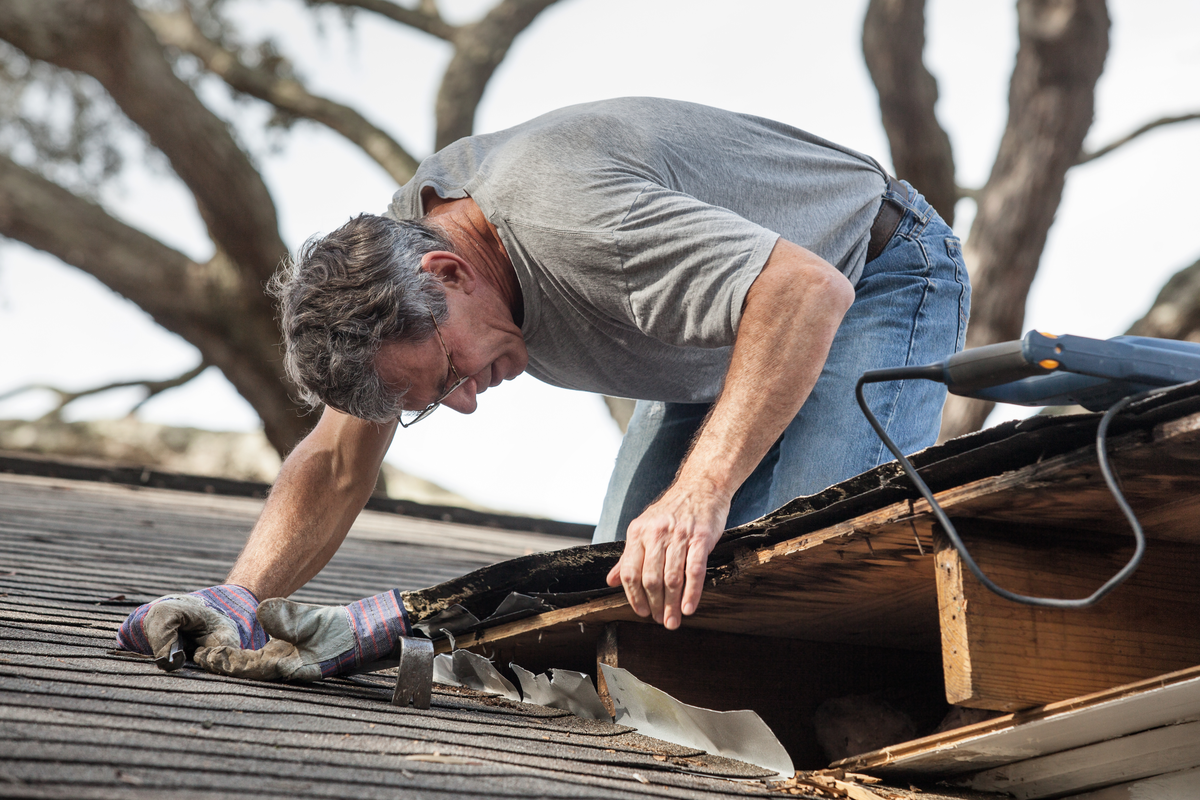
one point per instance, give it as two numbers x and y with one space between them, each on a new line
637 225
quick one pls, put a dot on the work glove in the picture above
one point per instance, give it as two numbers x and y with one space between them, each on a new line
310 642
221 615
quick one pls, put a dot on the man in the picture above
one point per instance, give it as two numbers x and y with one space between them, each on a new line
733 274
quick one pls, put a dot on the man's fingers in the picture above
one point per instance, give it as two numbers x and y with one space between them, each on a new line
697 569
673 583
652 578
629 568
187 616
273 662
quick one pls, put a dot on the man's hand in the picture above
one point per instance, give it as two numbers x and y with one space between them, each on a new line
666 553
219 616
790 316
310 642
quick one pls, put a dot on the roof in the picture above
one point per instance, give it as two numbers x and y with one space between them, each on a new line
81 719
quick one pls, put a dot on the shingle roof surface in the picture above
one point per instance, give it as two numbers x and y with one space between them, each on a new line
80 720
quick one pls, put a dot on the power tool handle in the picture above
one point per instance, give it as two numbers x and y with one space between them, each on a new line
990 365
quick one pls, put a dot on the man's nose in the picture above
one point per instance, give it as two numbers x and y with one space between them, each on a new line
462 399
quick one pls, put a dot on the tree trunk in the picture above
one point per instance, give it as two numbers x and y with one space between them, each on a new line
893 41
218 306
1063 44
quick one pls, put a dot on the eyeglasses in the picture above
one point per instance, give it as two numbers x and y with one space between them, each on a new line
409 418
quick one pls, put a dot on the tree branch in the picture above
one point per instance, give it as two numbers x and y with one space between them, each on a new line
478 50
1149 126
425 18
46 216
969 192
178 29
893 41
109 41
152 387
209 305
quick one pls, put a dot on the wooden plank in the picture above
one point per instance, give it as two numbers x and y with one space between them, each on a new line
1053 728
783 680
1141 755
1002 655
1159 471
1182 785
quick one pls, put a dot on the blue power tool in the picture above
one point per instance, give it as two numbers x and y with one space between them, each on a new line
1043 370
1047 370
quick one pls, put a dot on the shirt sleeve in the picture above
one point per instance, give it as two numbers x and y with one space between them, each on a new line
687 266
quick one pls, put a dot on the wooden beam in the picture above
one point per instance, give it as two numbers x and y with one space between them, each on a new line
1053 728
1182 784
784 680
1170 748
1002 655
870 580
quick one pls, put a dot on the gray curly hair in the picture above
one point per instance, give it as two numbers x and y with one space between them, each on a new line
347 293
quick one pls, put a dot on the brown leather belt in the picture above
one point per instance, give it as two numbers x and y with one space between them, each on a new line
886 221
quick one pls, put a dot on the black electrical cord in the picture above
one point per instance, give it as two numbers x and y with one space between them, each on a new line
934 372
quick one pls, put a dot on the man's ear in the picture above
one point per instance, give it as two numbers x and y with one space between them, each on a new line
454 271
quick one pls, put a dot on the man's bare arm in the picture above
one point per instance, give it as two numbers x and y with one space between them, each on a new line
792 311
321 488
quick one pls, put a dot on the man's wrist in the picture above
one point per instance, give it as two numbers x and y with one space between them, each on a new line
702 483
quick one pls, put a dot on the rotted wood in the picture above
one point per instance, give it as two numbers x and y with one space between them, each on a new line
870 580
1003 655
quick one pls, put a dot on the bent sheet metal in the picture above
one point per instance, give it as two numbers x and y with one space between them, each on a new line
735 734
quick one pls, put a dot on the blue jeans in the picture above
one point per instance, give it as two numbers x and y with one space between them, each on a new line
910 308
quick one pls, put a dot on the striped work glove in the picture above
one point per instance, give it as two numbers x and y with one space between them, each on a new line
218 616
310 642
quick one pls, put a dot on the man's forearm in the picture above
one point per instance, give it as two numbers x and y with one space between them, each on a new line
791 315
321 488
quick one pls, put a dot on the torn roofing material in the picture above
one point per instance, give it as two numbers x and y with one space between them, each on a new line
855 577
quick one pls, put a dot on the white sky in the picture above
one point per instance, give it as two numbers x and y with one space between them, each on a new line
1125 225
